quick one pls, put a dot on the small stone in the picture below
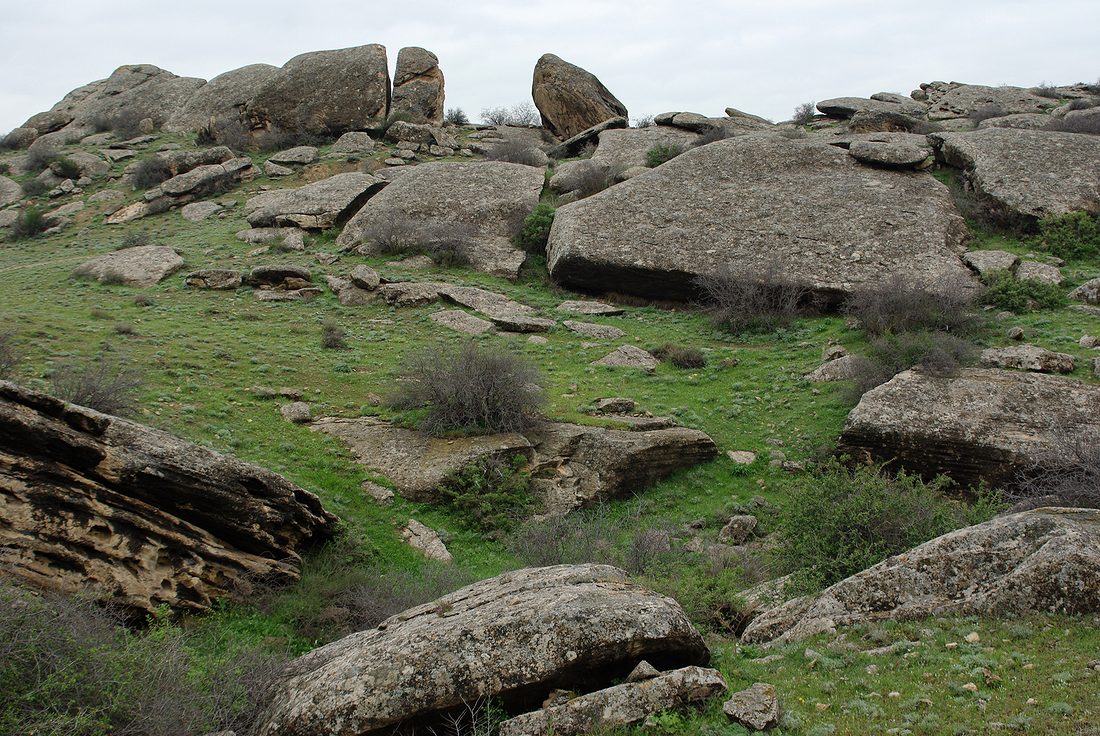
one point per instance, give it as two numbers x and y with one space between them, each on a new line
1089 341
297 412
832 352
616 405
973 637
971 687
756 708
426 541
629 356
643 671
589 329
951 645
893 694
742 457
1031 701
738 530
1016 333
365 277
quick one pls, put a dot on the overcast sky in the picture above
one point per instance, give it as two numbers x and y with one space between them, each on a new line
762 57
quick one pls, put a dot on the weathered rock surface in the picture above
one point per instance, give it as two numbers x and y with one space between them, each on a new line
199 182
425 540
10 192
297 412
298 156
354 142
514 638
1045 560
842 368
953 100
988 261
621 706
222 98
571 99
827 221
846 107
418 87
595 309
1026 173
199 211
1088 292
88 499
984 424
593 330
739 529
488 198
892 154
1043 273
141 266
1028 358
756 708
460 321
318 206
214 278
590 136
629 356
280 276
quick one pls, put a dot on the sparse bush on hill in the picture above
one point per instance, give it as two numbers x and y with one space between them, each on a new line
1073 484
594 179
226 130
106 385
31 222
661 153
333 336
1070 236
645 121
492 494
7 142
34 188
516 152
935 353
5 168
681 356
472 389
521 114
66 168
150 172
446 243
124 124
1087 125
1043 89
535 233
804 113
456 116
985 112
1005 291
10 355
135 238
712 136
751 299
898 305
39 157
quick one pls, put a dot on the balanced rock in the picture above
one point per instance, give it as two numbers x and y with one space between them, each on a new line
513 638
570 99
418 86
318 206
94 500
141 266
1042 561
846 107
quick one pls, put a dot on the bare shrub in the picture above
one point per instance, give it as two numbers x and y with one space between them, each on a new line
899 305
935 353
455 116
645 121
1043 89
124 124
135 238
751 299
1083 103
150 172
517 152
712 136
10 355
591 535
804 113
226 130
521 114
39 157
472 388
592 179
681 356
448 244
34 187
1074 483
106 385
1086 124
986 112
333 336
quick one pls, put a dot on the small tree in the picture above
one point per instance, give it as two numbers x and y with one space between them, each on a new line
804 113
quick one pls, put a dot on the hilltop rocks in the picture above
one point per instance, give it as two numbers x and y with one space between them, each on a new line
846 107
954 100
752 202
222 98
984 424
1045 560
418 85
1028 358
513 638
141 266
570 99
1026 173
487 198
91 500
317 206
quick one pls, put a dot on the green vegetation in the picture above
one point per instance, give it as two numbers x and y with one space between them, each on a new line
1072 237
492 495
30 223
661 153
536 229
1005 291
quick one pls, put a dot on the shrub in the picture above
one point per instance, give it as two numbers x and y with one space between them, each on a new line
106 385
517 152
589 535
1070 236
898 305
522 114
66 168
535 232
491 494
125 328
150 172
1046 90
681 356
135 238
446 243
5 168
395 117
10 355
32 221
333 336
39 157
455 116
472 389
645 121
1084 124
661 153
985 112
936 353
838 522
804 113
34 187
226 130
1083 103
748 299
1005 291
593 178
712 136
1074 484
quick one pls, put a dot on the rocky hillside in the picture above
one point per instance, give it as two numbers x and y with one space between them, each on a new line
355 417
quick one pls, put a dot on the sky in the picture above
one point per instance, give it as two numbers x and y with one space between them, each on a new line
703 56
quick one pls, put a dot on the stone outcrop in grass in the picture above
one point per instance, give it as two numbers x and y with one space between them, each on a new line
141 266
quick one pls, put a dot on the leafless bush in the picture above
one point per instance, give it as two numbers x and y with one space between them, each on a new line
985 112
592 179
591 535
10 355
747 298
712 136
1073 483
899 305
645 121
1084 103
333 336
522 114
1086 124
135 238
39 157
1046 90
448 244
517 152
150 172
681 356
386 594
804 113
483 389
226 130
935 353
456 116
106 385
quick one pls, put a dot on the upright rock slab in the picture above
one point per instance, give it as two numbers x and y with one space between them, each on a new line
88 500
570 99
318 206
807 210
418 86
513 638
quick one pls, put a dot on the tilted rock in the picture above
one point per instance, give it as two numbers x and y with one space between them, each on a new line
141 266
365 277
1028 358
513 638
1026 121
571 99
1026 173
952 100
593 330
418 85
984 424
621 706
88 500
318 206
180 162
221 99
589 137
426 541
756 708
460 321
807 209
20 138
1044 560
179 190
199 211
488 198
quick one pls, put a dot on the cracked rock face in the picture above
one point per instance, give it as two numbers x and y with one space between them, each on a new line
91 500
515 637
418 85
807 208
318 206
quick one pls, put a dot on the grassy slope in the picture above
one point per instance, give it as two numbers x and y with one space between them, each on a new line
203 351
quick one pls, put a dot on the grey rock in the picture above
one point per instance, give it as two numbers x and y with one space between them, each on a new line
1041 561
460 321
1088 292
741 457
317 206
1025 121
1028 358
986 262
405 133
418 85
353 142
1043 273
286 295
642 672
279 275
426 541
595 331
276 170
614 405
19 138
199 211
519 322
365 277
953 100
512 638
1016 333
846 107
571 99
297 412
575 145
259 235
892 155
106 195
8 217
738 530
628 356
833 224
141 266
299 155
756 708
208 179
596 309
214 278
222 99
844 368
982 425
10 192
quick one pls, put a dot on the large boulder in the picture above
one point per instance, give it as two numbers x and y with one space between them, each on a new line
947 100
318 206
1026 174
141 266
805 210
984 424
846 107
91 500
222 98
488 199
1045 560
9 191
418 86
513 638
570 99
325 92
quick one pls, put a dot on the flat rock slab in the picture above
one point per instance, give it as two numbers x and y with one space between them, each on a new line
593 330
318 206
595 309
953 100
753 202
892 155
513 638
489 197
982 425
1027 173
199 211
1041 561
426 541
628 356
1028 358
621 706
1043 273
986 262
460 321
141 266
299 155
846 107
